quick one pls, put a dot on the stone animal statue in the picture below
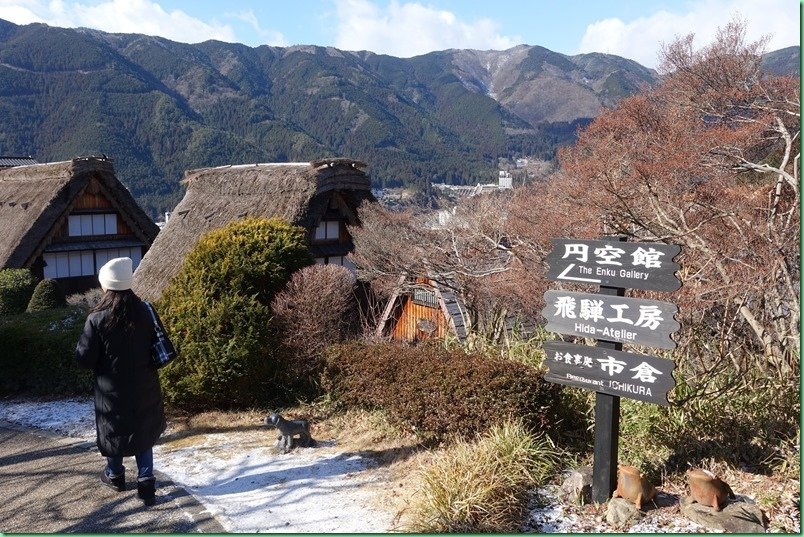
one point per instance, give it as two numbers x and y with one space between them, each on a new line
633 486
288 429
708 489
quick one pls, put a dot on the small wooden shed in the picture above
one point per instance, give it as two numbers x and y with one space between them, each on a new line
64 220
322 196
422 311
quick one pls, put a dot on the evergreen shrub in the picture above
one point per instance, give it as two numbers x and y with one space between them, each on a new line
217 313
16 288
37 354
46 296
437 392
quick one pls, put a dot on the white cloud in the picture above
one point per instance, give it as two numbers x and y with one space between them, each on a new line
121 16
266 37
410 29
641 39
20 12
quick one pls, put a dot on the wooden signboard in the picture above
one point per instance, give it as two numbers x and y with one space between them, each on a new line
635 265
612 318
636 376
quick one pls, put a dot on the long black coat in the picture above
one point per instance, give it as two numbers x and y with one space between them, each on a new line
129 413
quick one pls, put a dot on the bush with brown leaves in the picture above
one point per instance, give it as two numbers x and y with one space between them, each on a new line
316 309
437 393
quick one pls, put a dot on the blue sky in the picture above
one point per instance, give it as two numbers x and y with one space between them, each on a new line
633 29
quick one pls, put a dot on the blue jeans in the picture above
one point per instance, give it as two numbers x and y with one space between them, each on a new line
145 465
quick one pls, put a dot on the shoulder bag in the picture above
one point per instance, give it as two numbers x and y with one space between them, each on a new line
162 351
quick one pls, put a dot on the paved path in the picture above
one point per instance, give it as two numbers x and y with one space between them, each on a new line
51 484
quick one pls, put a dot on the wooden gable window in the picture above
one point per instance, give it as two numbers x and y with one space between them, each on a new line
341 260
85 262
327 230
82 225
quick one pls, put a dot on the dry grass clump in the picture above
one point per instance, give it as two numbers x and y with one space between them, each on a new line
86 300
482 486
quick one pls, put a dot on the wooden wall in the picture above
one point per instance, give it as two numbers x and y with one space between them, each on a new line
407 327
89 200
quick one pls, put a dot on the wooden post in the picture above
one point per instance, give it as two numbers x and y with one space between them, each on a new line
607 433
607 425
607 430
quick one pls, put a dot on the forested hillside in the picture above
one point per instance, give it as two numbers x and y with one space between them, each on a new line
160 107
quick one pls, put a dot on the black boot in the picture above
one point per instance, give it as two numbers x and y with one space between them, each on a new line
118 483
146 490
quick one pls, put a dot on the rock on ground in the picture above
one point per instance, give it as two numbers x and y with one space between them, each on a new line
739 516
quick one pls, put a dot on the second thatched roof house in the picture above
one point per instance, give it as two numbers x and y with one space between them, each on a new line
64 220
322 196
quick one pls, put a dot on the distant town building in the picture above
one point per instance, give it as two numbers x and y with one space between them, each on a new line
8 162
161 223
504 181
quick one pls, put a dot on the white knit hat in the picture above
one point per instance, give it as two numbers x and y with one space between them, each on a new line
116 274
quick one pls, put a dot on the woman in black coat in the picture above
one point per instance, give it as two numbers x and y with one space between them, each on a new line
116 345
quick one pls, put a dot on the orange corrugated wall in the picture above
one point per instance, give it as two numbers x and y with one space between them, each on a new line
406 330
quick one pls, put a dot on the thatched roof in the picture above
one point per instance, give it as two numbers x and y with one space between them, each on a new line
35 200
218 196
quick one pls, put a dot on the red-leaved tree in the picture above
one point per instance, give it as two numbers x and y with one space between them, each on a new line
708 160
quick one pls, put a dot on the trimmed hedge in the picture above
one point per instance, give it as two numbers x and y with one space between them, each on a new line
46 296
16 288
437 393
37 354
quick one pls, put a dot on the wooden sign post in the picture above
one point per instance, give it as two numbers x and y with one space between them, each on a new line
612 319
613 372
612 263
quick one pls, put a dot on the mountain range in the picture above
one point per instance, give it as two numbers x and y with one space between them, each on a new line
159 107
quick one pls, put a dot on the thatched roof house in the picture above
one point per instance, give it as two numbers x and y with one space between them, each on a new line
321 196
64 220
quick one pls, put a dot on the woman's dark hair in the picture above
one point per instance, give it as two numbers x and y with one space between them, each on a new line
122 305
